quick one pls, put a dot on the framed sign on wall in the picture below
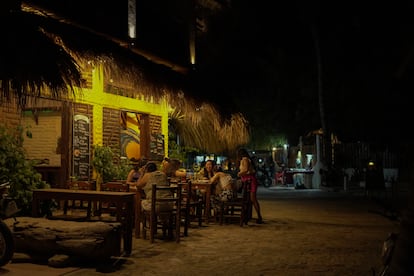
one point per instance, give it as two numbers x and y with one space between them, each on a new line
81 147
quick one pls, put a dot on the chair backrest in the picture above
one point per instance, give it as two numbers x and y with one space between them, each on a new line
167 195
115 186
80 185
186 191
190 205
164 200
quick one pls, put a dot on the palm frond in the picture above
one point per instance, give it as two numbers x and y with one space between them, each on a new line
42 56
201 126
31 62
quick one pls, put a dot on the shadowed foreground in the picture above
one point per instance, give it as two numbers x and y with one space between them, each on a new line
303 235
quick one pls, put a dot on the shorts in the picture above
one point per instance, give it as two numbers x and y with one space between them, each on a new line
160 207
225 195
253 182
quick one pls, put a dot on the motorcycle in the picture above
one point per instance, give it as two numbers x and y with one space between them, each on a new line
8 209
263 177
386 254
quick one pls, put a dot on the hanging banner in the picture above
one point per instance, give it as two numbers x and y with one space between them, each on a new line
81 147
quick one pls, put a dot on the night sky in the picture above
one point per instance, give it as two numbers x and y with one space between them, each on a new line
261 58
270 67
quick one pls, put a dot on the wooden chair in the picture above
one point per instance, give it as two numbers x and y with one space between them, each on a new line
115 186
172 220
109 207
191 206
238 208
81 211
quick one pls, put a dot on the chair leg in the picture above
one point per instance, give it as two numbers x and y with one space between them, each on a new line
246 213
144 226
199 214
153 226
168 227
186 221
65 207
177 225
243 215
221 213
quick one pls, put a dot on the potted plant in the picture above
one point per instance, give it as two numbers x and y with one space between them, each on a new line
103 164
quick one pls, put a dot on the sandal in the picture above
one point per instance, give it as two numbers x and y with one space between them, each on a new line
259 221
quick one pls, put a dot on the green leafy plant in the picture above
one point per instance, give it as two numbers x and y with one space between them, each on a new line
123 168
103 163
17 170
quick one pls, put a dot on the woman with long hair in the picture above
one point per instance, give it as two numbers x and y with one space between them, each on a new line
247 173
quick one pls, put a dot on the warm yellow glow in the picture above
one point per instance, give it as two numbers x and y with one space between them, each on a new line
99 99
192 46
133 150
132 19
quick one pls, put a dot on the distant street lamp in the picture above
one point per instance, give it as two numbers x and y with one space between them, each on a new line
274 154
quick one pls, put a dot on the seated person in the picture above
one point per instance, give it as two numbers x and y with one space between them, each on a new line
135 173
171 168
153 176
207 171
225 186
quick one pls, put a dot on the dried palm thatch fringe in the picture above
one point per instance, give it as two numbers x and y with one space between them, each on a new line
129 66
44 57
30 62
203 127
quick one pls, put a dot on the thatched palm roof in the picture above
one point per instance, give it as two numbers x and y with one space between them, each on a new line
54 49
29 60
123 62
203 127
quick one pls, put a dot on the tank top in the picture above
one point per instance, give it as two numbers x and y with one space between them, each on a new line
135 176
158 178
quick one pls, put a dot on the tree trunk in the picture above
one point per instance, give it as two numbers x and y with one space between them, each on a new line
45 238
326 141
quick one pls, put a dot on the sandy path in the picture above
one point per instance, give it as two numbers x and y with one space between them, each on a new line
328 236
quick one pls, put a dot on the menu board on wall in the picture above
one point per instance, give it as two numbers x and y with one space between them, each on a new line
81 146
157 146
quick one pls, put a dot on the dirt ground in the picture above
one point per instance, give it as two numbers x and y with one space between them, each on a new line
307 234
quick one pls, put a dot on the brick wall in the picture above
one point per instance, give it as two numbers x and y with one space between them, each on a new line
46 134
9 115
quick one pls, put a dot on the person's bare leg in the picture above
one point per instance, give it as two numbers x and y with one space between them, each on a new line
256 205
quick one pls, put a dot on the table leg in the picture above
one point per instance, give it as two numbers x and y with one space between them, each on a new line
35 205
128 227
137 215
208 204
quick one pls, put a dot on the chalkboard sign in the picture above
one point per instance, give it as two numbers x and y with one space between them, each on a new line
157 146
81 147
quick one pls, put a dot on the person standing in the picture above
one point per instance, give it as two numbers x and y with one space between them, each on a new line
247 173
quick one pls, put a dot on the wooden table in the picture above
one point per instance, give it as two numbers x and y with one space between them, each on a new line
124 206
204 185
